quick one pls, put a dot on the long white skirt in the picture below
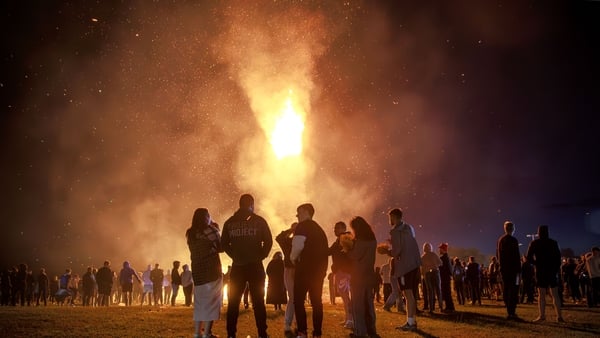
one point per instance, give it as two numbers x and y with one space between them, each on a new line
208 299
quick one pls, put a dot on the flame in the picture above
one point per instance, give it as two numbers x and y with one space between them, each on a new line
286 138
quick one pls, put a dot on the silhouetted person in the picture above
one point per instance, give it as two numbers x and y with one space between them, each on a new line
446 278
275 288
204 242
592 263
175 281
104 278
284 239
88 280
341 266
407 262
246 238
5 287
310 254
362 255
544 253
20 285
473 277
156 275
187 284
509 259
126 280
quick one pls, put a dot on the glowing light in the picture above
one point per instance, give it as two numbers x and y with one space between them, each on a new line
286 138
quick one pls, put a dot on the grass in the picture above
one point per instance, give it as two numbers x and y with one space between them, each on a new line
487 320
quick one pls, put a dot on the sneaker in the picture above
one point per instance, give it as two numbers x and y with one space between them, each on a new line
349 325
407 327
539 319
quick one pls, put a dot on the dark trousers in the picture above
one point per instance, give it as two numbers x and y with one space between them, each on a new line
254 274
187 294
311 282
363 310
43 295
594 292
447 294
387 291
510 292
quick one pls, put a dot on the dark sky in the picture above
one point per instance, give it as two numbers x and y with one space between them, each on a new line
120 118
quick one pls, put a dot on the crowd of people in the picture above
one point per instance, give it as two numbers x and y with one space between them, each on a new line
296 275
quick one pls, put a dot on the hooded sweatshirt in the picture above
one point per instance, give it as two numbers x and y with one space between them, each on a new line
246 238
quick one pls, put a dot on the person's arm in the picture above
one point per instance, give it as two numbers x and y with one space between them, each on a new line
267 240
225 240
297 247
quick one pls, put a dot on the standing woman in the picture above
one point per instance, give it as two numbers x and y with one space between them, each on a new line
362 255
204 241
276 294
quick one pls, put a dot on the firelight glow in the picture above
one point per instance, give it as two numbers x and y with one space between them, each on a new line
286 138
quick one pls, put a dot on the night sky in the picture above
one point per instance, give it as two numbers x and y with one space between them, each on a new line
119 119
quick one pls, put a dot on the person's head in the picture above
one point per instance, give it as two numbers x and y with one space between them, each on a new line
43 271
472 259
443 248
149 267
595 251
68 271
456 261
126 264
362 229
395 216
107 263
543 232
278 255
427 247
186 267
339 228
89 269
201 218
176 264
305 212
509 227
156 266
247 202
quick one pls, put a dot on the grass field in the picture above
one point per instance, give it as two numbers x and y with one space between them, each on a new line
487 320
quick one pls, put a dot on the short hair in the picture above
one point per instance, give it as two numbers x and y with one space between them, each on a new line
246 201
106 263
340 225
595 248
308 207
509 227
396 212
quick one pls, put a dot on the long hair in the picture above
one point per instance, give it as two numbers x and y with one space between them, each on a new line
199 221
362 229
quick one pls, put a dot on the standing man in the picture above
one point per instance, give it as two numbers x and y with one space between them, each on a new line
126 280
156 275
246 238
104 278
285 243
592 263
175 281
445 278
544 253
310 254
407 260
341 266
509 259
